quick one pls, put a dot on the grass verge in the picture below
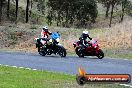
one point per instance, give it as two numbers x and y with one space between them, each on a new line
118 53
20 78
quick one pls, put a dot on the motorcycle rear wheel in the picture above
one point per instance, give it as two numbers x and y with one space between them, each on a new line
42 53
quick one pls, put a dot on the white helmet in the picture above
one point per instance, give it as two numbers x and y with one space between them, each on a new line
85 32
45 28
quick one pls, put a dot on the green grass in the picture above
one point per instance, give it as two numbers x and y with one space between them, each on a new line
125 54
20 78
119 55
111 55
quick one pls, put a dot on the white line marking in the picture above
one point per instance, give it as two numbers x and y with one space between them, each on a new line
14 66
34 69
125 59
28 68
21 67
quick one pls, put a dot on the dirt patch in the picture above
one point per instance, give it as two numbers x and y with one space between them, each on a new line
119 36
16 37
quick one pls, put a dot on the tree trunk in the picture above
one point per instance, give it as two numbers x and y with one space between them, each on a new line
122 15
111 14
27 9
123 10
8 8
1 2
107 10
16 9
31 5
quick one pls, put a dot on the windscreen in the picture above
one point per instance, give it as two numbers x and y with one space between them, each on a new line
55 35
93 41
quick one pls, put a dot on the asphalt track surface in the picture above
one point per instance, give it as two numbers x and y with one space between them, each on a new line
68 65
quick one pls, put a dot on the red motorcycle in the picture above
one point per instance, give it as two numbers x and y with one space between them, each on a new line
91 49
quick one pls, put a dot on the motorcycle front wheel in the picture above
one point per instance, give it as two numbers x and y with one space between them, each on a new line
100 54
42 52
62 51
79 52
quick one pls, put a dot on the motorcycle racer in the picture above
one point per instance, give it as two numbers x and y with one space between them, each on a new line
83 39
45 32
90 48
44 36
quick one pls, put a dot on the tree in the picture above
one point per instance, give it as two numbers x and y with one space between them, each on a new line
41 6
129 8
112 8
70 11
124 4
113 4
16 8
31 6
107 9
8 8
106 4
27 10
1 5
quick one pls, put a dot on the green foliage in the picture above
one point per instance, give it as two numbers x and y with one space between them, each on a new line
12 36
12 12
70 11
41 6
129 8
67 13
21 13
33 27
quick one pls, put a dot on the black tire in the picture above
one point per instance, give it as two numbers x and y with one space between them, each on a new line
100 54
76 50
79 52
49 52
62 51
42 52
